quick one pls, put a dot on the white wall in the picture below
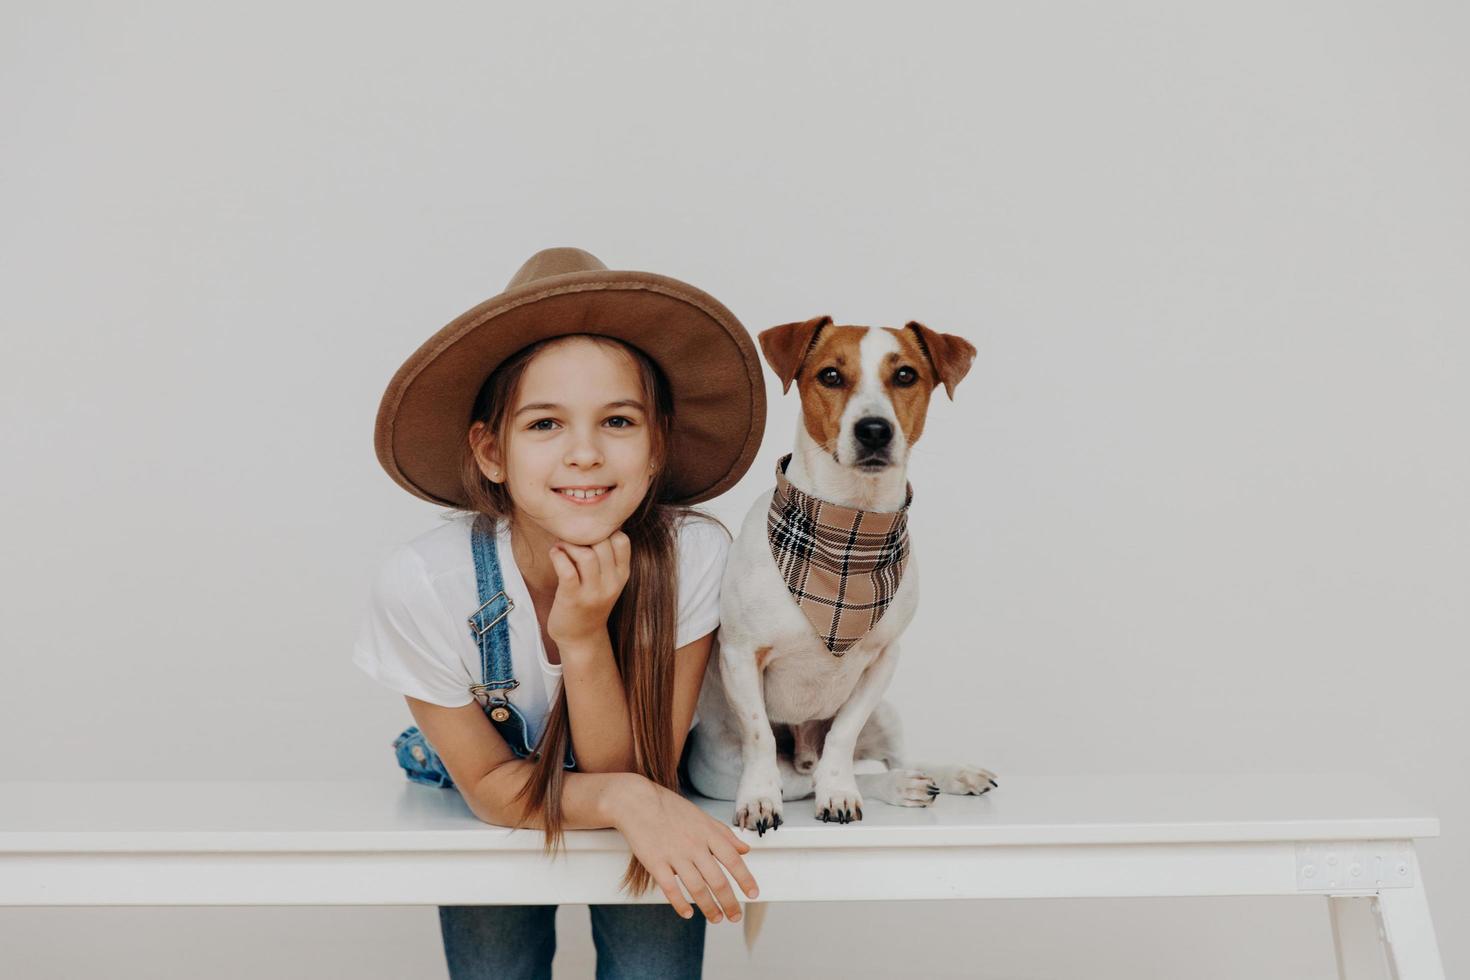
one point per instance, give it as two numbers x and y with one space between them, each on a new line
1209 466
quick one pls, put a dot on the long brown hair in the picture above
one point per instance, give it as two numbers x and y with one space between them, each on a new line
642 623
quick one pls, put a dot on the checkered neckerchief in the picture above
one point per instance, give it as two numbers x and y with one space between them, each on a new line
841 565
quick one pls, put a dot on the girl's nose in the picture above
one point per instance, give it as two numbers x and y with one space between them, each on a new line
583 451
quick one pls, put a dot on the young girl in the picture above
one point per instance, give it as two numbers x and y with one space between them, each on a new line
569 422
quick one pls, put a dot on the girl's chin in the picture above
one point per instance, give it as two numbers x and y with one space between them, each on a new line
589 529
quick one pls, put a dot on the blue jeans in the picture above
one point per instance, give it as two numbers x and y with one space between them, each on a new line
516 942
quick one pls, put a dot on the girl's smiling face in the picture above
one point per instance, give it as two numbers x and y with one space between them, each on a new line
577 423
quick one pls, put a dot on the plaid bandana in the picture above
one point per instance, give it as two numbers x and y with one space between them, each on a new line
841 565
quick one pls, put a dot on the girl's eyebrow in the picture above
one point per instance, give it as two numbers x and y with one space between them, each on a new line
544 406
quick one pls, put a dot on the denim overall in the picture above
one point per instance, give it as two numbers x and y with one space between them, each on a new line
417 757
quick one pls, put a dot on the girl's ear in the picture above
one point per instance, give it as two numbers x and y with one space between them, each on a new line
487 453
786 346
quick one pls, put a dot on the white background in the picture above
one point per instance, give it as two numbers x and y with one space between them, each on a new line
1199 505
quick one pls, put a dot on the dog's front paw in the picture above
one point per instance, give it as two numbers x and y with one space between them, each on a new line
760 815
842 805
758 804
900 787
963 780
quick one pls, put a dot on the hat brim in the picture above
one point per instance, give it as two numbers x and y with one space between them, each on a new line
709 359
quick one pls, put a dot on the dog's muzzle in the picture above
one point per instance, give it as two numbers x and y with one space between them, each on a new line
873 435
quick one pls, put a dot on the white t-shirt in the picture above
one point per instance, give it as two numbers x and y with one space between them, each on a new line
416 637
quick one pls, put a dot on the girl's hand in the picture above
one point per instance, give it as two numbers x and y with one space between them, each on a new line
589 581
672 836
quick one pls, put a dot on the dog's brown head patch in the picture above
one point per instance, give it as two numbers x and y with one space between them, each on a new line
909 380
803 352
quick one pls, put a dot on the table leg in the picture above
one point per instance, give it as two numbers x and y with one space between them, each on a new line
1387 935
1413 952
1357 938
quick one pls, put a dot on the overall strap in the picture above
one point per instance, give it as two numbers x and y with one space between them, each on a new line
488 624
492 633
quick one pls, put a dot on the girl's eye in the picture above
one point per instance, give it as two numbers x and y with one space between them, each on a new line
536 425
829 378
905 376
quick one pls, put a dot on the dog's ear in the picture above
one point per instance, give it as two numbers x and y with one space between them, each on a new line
950 355
786 346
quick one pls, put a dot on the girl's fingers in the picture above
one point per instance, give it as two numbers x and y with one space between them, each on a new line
566 569
737 869
719 886
698 890
742 846
607 564
586 559
670 887
622 549
605 559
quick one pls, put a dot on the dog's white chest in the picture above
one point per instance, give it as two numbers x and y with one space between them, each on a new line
807 684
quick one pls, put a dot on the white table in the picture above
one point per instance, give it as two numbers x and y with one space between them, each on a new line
387 841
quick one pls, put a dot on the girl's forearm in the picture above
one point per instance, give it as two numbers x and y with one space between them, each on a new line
589 800
597 707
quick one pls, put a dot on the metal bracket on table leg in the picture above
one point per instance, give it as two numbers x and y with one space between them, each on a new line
1344 867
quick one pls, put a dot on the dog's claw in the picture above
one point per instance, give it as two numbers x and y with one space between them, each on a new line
963 780
759 814
839 807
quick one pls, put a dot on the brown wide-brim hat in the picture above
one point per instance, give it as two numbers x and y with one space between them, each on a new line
709 359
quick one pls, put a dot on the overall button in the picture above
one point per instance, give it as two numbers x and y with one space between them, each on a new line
500 714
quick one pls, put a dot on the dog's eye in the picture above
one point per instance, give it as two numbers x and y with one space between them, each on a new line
829 378
905 376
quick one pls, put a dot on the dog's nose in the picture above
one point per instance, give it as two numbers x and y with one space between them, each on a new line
875 433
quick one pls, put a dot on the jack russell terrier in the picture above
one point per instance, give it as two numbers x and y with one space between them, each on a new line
820 584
